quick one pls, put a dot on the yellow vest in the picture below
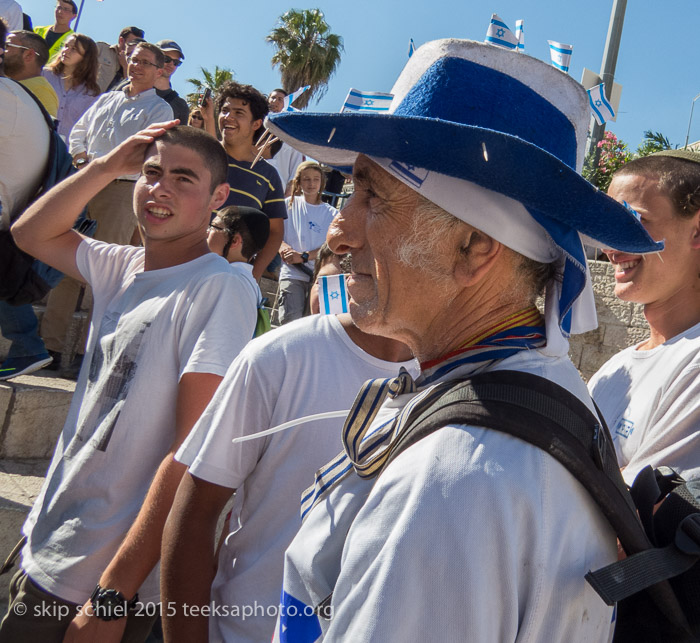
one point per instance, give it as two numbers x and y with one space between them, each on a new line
56 48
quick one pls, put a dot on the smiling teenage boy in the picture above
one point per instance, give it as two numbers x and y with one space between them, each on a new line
241 110
168 320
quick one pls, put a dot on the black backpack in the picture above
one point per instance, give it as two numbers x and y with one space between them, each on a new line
19 282
657 587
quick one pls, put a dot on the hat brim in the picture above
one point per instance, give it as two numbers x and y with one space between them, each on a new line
500 162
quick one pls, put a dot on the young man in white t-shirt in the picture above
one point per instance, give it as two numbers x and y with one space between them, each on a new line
168 320
310 366
649 393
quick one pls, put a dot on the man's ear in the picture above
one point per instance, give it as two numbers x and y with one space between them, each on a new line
695 239
476 257
257 124
218 198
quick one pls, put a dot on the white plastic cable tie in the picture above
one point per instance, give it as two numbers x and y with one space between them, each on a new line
288 425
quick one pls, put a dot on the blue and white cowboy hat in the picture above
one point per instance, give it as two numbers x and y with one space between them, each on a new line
497 139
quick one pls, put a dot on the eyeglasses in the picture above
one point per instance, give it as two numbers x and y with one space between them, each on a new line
142 61
196 117
175 61
216 227
61 9
9 44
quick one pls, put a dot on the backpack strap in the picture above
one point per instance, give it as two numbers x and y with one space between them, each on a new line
544 414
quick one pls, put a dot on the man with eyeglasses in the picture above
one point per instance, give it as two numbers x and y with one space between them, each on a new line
26 53
56 34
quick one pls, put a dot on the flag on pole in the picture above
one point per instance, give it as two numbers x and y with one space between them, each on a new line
411 47
561 54
602 109
499 34
332 294
358 101
289 99
520 35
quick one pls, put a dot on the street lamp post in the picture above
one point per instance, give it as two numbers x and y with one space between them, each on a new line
690 120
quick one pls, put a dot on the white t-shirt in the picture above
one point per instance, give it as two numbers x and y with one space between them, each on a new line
651 403
24 149
306 367
305 229
468 535
148 329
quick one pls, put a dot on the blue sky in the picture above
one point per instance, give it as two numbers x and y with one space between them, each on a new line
656 68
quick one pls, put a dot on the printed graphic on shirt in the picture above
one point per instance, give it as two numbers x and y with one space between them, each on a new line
112 370
624 428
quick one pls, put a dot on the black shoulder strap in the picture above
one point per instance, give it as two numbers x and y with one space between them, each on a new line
547 416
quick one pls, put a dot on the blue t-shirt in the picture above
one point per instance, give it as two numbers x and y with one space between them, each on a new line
260 187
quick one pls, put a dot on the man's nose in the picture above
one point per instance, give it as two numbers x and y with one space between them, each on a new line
345 233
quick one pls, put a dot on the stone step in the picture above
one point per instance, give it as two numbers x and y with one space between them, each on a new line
33 409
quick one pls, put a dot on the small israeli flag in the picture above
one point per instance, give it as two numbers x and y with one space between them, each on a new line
560 54
411 47
358 101
499 34
288 100
332 294
520 35
602 109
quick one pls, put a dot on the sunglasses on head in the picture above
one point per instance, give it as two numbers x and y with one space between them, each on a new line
175 61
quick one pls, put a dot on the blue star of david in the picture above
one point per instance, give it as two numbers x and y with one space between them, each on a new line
334 295
500 32
369 101
409 167
598 103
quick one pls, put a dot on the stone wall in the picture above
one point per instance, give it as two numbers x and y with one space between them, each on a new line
620 324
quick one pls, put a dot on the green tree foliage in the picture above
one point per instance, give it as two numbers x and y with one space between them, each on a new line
307 52
653 142
212 80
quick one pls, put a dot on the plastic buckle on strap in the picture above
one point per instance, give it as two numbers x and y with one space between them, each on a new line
687 537
598 445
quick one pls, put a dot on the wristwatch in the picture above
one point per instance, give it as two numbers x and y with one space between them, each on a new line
110 604
80 162
305 257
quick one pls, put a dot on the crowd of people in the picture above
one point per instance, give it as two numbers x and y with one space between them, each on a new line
460 533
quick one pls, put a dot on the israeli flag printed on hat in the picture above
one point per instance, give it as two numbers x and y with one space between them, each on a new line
560 54
332 294
499 34
358 101
602 109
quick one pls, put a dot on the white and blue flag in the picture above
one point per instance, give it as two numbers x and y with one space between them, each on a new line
288 100
602 109
560 54
520 35
332 294
358 101
499 34
411 47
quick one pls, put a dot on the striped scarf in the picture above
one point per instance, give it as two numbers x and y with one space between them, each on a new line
366 451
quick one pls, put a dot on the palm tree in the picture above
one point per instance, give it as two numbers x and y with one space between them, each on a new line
214 81
307 52
653 142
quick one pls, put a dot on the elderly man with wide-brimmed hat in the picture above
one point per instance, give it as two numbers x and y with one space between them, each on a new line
467 205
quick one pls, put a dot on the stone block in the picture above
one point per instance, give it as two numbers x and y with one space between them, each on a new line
594 356
611 310
35 416
619 337
575 349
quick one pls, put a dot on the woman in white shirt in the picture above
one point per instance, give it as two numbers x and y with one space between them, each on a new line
308 220
73 75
